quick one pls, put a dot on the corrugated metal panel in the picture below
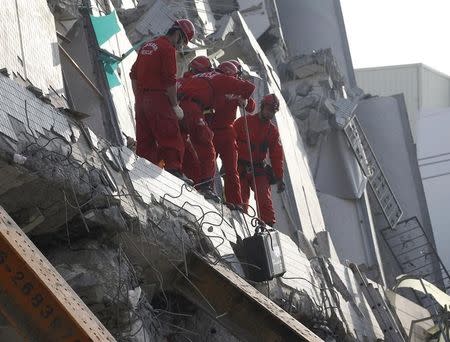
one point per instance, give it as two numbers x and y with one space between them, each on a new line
387 81
435 89
423 87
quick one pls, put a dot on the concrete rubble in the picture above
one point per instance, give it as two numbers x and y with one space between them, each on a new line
120 230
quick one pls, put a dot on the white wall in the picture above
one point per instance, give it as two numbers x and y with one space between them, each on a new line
388 81
385 123
433 153
313 25
344 222
36 59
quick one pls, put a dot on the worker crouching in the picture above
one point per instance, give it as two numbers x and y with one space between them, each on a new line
191 163
199 94
257 137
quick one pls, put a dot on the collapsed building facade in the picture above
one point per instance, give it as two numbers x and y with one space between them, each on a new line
148 255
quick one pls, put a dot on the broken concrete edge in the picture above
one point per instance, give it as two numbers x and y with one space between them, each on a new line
120 217
106 209
50 96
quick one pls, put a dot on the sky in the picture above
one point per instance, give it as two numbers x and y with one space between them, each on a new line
391 32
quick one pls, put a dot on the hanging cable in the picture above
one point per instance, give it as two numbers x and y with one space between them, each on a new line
252 168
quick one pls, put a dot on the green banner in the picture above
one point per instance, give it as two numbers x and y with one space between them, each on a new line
105 26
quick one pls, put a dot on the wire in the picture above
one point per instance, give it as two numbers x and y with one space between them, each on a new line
217 5
255 190
212 218
301 278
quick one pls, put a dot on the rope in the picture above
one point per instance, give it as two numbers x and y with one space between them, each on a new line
255 190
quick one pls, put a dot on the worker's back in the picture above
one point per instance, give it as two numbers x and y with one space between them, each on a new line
155 67
209 87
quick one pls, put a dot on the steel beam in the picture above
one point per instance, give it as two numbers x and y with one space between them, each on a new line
35 299
238 306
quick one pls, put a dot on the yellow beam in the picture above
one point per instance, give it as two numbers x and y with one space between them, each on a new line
35 299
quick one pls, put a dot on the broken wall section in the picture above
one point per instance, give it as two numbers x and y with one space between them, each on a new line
316 94
106 282
310 26
97 80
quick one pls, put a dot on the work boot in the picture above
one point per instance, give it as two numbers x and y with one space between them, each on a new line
208 193
181 176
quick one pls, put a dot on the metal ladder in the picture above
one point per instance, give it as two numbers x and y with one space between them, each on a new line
372 170
416 255
387 319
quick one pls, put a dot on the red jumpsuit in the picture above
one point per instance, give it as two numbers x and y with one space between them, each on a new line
221 123
264 138
191 164
201 92
158 136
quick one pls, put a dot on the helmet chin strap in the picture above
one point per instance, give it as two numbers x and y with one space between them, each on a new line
180 40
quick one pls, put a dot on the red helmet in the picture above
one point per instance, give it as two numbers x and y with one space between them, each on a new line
271 100
200 64
186 26
237 65
228 68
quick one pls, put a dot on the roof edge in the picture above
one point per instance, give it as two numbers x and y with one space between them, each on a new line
401 66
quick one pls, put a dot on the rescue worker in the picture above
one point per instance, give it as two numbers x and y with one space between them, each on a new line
264 140
191 164
201 93
153 76
221 123
198 65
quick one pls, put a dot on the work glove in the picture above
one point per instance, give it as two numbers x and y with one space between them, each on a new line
281 186
178 111
251 105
